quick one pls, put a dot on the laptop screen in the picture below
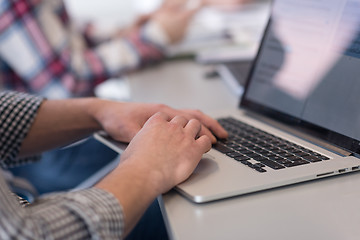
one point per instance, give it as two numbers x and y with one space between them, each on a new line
308 68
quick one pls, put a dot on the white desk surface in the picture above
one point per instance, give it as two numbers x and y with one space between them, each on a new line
324 209
181 84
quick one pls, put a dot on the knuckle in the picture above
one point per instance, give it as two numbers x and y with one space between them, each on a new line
208 143
197 112
196 122
161 106
181 117
158 115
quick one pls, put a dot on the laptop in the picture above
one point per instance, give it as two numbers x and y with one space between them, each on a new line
298 118
234 74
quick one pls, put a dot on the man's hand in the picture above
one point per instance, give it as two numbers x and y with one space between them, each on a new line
174 17
226 4
124 120
168 149
163 154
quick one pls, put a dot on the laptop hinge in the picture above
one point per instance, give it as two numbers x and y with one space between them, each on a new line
301 134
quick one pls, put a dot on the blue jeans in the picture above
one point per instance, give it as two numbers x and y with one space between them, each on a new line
151 225
64 169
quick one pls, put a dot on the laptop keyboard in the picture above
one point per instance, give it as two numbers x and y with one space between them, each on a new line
258 149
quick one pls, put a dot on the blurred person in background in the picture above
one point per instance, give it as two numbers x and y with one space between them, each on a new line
43 52
227 3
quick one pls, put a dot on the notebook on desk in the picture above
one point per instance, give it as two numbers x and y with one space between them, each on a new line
298 118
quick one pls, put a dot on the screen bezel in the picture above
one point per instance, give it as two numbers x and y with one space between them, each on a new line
339 140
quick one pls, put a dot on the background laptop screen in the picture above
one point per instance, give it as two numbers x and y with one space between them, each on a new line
308 66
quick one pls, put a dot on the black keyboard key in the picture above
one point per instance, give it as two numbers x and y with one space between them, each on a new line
301 162
281 145
234 154
295 151
286 155
289 148
302 154
260 158
283 161
296 163
255 148
265 145
312 158
308 151
224 141
276 158
246 151
272 156
241 158
294 158
222 148
322 157
259 165
261 170
263 151
316 154
273 149
272 164
250 146
242 142
280 151
253 155
231 145
269 155
239 149
247 163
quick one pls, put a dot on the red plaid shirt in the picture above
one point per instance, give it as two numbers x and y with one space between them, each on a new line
41 52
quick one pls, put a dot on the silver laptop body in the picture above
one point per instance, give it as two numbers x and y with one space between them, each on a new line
303 88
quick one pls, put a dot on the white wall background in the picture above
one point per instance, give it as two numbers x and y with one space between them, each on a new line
120 12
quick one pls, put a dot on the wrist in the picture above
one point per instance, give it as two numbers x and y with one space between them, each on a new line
147 178
94 108
134 189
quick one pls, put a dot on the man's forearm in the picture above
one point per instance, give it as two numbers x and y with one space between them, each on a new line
59 122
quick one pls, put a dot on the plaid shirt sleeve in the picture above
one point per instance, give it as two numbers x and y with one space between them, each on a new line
41 51
17 112
87 214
